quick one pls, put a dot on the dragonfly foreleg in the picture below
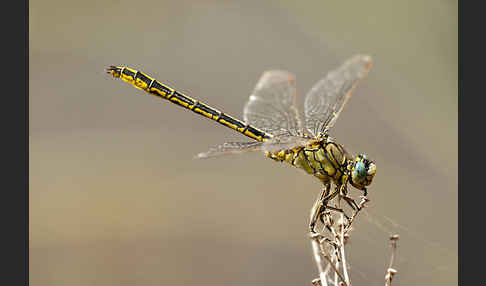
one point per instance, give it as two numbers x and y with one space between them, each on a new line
351 202
343 193
365 192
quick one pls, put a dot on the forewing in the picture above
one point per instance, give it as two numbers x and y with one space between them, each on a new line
231 148
271 106
326 99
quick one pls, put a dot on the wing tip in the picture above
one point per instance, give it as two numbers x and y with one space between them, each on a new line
273 76
365 59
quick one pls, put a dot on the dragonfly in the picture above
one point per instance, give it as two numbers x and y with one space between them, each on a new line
272 121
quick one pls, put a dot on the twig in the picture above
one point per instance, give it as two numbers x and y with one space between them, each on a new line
329 252
341 247
336 271
390 272
316 247
339 234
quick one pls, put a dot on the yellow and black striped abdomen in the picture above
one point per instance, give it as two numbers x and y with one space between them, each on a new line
324 159
152 86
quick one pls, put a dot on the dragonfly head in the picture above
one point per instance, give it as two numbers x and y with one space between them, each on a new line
362 172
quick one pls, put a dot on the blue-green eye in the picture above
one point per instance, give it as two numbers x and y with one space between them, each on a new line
359 171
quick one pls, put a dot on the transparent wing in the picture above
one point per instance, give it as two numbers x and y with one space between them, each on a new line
231 148
271 106
327 98
274 144
284 142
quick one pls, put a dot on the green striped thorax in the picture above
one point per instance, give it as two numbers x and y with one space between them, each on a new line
327 160
362 172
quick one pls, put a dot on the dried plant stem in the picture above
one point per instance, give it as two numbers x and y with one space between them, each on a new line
343 255
336 270
329 251
316 247
390 272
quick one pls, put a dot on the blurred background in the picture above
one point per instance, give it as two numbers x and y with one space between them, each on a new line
116 197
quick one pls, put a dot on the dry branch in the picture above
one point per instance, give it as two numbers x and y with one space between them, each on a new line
328 248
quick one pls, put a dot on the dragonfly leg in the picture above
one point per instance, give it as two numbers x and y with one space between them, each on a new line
365 192
350 201
317 209
320 206
321 215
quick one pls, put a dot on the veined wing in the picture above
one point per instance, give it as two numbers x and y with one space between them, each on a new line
327 98
278 143
271 145
271 106
231 148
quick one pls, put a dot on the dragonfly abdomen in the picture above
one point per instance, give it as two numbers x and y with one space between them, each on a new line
152 86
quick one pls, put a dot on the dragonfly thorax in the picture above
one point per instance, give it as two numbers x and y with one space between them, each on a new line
325 159
329 161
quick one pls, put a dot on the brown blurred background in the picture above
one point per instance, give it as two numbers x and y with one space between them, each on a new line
116 197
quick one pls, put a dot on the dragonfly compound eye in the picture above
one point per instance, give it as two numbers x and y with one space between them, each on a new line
362 172
359 172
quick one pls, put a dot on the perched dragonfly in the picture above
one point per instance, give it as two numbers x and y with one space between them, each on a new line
272 120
